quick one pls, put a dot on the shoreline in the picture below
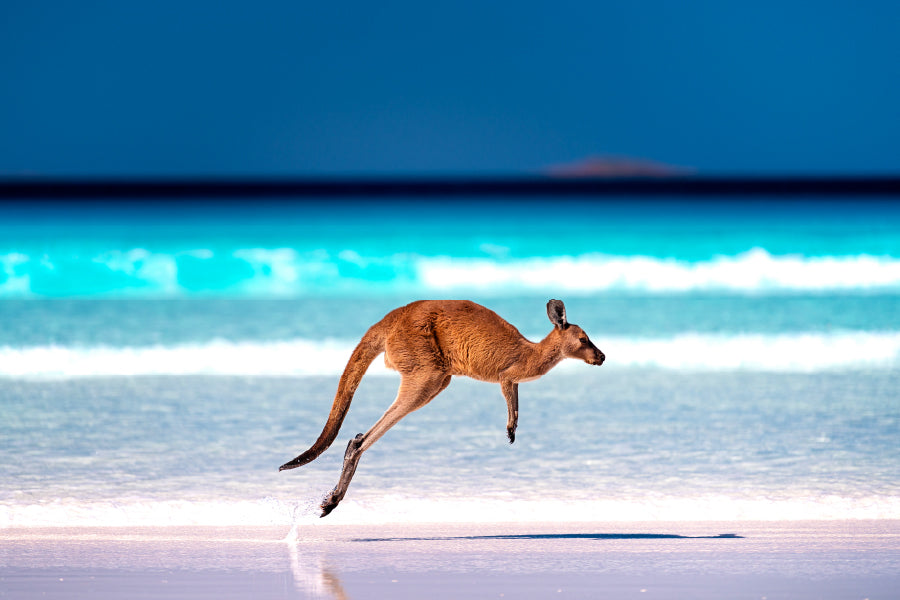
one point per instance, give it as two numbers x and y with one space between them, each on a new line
715 559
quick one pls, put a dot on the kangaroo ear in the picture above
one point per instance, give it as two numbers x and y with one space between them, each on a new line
556 310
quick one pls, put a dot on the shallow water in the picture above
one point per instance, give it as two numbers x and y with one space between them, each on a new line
156 366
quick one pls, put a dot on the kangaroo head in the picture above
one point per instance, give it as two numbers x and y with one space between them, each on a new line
574 341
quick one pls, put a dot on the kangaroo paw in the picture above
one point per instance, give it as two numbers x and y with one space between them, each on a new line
351 458
330 502
511 434
327 508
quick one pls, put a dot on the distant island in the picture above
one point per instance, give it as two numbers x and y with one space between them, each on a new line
615 166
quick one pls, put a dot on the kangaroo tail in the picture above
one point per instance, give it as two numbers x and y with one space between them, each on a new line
370 346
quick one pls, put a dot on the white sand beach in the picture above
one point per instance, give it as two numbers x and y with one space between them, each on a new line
752 560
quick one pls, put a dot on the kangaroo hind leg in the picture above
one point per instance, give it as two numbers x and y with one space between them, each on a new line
511 393
416 390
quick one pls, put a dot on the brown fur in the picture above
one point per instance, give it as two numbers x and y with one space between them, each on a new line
430 341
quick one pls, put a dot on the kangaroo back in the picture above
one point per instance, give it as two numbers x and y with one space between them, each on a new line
370 346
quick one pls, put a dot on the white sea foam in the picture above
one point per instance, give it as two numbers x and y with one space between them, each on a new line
403 509
295 358
276 271
145 513
157 270
15 280
754 270
798 352
285 272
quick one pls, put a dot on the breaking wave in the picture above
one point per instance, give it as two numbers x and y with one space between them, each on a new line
795 352
752 271
394 509
287 272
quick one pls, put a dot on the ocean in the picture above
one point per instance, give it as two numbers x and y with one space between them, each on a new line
160 360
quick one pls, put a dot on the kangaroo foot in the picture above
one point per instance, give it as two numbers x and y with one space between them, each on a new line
351 459
330 503
511 434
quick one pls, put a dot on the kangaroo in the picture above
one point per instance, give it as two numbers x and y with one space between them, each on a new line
430 341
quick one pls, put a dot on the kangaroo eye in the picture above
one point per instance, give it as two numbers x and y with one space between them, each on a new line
584 341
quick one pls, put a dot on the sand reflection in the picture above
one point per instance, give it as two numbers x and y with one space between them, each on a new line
313 576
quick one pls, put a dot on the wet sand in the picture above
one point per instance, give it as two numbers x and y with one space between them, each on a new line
753 560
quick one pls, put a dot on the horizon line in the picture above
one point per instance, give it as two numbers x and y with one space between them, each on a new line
231 187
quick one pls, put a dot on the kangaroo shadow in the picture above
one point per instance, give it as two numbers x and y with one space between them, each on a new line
561 536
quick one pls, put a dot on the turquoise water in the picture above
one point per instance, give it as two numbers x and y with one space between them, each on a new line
159 361
493 248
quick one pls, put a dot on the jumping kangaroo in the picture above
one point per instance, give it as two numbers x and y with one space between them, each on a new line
428 342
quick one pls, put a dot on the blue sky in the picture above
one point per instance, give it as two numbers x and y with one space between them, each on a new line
300 88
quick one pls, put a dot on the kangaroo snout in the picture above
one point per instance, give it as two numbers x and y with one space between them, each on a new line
599 357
